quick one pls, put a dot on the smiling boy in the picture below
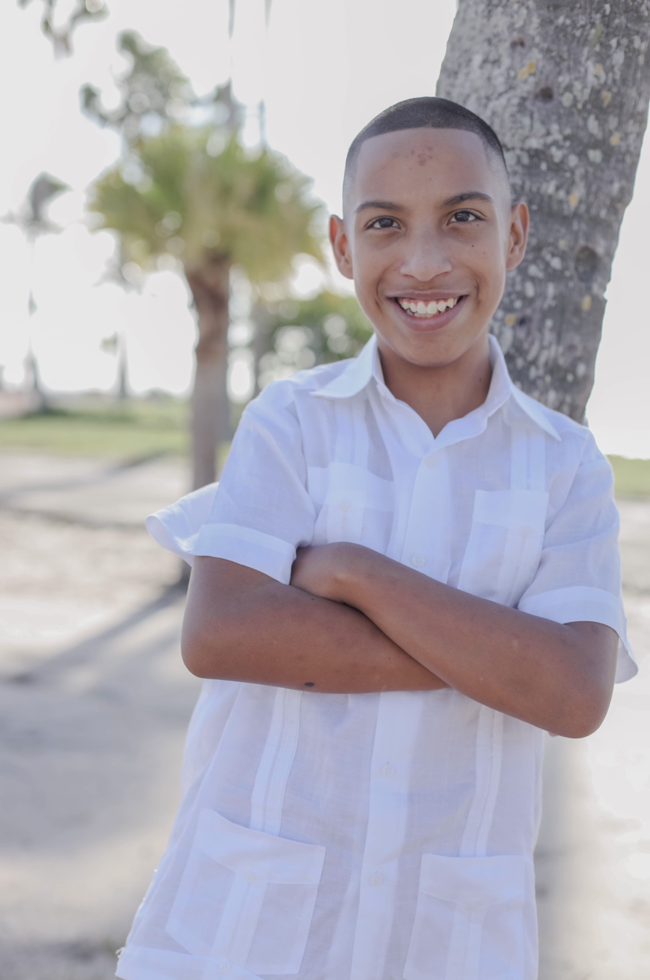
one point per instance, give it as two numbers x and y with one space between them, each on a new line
408 572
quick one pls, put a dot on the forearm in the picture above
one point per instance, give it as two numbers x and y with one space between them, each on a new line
532 668
244 626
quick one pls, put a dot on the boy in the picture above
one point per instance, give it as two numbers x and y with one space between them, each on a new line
363 767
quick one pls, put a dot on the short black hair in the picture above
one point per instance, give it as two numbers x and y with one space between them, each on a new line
426 112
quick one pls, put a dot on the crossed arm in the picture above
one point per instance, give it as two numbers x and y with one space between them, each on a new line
354 621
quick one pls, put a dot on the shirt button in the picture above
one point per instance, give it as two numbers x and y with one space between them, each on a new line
250 877
345 505
418 560
431 461
224 966
387 770
526 531
376 879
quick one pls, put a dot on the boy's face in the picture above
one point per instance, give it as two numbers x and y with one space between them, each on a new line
428 219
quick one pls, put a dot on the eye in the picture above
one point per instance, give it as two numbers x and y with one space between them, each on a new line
464 217
383 223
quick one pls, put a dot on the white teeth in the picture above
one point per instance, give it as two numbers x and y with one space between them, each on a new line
432 308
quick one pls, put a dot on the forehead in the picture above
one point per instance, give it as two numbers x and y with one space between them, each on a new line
442 161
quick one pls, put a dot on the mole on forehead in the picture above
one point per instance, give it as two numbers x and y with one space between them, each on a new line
422 144
384 159
426 150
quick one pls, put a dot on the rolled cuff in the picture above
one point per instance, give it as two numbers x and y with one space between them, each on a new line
586 604
171 529
177 527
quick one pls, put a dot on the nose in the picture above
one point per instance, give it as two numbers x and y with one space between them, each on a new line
425 257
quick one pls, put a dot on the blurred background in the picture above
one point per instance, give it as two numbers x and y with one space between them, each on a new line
141 136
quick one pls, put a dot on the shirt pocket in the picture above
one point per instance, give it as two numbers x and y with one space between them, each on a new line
353 504
246 898
469 919
505 544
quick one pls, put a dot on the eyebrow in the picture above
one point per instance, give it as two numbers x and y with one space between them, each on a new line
450 203
468 196
379 206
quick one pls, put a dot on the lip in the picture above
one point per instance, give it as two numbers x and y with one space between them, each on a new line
426 295
432 323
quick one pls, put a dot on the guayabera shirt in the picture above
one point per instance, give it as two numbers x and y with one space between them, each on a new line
376 836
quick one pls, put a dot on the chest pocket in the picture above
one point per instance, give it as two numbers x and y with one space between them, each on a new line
505 544
355 505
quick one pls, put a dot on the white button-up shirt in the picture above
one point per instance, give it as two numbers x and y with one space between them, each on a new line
376 836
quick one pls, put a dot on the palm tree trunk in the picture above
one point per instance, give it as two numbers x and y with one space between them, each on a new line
210 425
39 402
261 340
122 368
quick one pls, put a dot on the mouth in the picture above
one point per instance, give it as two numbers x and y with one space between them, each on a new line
430 312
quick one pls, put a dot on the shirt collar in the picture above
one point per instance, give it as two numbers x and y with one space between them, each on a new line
366 367
356 374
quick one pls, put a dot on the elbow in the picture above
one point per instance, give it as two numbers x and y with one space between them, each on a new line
583 715
588 679
577 728
195 663
194 659
202 651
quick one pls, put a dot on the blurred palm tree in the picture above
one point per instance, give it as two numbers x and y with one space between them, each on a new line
154 93
58 27
300 333
34 221
196 200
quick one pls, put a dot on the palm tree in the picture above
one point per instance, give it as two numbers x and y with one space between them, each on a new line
198 197
59 29
33 221
297 334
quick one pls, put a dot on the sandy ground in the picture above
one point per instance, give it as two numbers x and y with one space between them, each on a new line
94 704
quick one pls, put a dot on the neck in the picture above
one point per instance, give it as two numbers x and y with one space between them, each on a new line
441 393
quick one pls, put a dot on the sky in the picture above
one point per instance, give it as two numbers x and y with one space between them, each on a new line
324 69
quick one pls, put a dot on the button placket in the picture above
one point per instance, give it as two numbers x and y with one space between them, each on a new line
426 542
398 725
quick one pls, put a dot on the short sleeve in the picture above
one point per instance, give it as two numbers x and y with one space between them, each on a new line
579 575
260 512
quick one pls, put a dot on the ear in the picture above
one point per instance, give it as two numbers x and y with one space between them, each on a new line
519 220
341 246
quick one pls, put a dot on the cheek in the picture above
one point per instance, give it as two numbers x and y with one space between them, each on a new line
491 284
367 274
489 267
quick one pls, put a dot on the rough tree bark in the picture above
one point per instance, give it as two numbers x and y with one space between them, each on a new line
210 286
566 87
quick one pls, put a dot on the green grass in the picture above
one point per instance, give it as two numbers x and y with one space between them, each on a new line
89 427
632 476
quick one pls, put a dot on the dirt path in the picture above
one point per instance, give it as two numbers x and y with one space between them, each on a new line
94 704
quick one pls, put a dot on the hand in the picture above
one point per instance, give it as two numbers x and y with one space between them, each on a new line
320 569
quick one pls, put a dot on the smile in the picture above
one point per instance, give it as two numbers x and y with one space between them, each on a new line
418 308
